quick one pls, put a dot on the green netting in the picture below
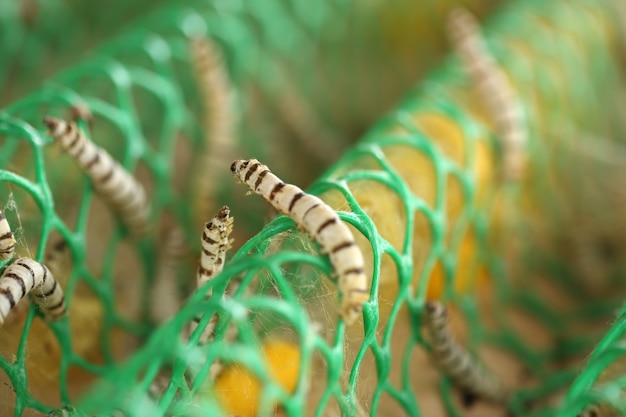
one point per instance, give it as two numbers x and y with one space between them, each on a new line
419 190
39 37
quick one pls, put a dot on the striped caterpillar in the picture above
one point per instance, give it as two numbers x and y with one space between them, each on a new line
27 275
215 243
456 362
494 88
319 221
599 410
7 240
120 189
219 121
164 294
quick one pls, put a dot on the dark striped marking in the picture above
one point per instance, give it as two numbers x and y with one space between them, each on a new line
342 246
259 178
251 171
106 177
309 210
353 271
59 304
207 239
276 190
295 199
32 273
204 271
325 225
74 139
54 287
94 160
19 279
9 296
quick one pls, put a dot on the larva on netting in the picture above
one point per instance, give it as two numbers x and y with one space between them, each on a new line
7 240
215 243
453 360
27 275
599 410
110 180
81 112
496 91
322 223
304 126
218 122
165 297
56 258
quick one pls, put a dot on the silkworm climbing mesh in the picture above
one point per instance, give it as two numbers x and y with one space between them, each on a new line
419 191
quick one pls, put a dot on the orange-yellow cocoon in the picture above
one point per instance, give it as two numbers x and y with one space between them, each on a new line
239 391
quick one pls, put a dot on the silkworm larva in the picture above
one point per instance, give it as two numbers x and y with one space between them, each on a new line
25 276
321 222
218 122
599 410
497 93
110 180
165 295
215 243
453 360
7 240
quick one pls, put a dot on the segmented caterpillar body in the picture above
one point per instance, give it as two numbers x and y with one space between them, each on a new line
165 294
25 276
492 84
7 240
215 243
456 362
599 410
120 189
322 223
218 122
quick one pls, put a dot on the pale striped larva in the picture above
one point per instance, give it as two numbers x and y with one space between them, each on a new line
27 275
218 122
305 127
120 189
497 93
80 112
215 243
165 297
599 410
322 223
7 240
453 360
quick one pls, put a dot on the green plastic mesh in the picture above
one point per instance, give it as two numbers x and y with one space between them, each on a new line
419 190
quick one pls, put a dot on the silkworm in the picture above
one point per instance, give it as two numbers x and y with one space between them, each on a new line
322 223
218 122
25 276
497 93
599 410
452 359
110 180
57 257
81 112
304 126
215 243
165 297
7 240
